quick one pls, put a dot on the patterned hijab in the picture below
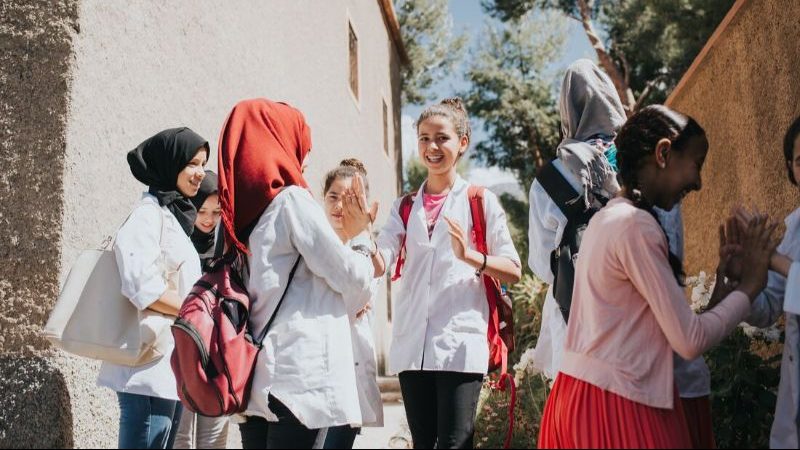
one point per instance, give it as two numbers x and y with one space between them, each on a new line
590 108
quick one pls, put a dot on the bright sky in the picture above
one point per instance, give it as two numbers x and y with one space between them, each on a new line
469 17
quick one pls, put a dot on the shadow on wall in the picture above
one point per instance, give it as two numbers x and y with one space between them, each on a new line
35 408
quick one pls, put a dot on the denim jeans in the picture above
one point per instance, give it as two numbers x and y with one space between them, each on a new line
147 422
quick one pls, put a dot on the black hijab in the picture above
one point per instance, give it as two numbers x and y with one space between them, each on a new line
203 242
157 162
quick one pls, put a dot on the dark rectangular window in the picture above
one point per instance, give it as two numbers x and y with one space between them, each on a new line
353 60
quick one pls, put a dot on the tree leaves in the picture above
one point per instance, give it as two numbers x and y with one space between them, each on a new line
511 90
433 48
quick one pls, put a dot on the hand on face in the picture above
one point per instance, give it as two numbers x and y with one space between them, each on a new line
356 215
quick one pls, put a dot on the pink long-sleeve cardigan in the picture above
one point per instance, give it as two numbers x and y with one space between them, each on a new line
629 313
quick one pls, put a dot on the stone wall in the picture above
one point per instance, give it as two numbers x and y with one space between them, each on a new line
745 91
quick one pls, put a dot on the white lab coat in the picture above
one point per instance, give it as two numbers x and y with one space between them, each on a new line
781 295
545 230
441 313
307 362
138 256
366 366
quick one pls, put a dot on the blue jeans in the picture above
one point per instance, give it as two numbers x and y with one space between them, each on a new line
147 422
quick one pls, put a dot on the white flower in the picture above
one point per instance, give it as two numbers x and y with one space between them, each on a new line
771 334
525 366
702 288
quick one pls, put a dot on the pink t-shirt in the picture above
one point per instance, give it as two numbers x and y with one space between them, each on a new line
433 207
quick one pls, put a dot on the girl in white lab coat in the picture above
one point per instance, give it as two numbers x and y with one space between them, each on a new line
441 313
783 295
303 379
337 183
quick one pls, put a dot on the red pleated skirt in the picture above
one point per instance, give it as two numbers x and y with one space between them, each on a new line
698 420
581 415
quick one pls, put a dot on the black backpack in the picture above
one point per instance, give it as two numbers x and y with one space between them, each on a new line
564 257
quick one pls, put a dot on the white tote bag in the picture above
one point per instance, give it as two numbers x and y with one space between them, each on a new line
93 319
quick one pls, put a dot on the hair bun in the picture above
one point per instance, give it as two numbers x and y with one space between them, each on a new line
455 103
355 164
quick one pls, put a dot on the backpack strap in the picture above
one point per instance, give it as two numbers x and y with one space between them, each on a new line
475 194
561 191
505 383
405 212
263 334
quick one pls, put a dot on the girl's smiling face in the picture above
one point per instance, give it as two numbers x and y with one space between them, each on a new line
209 214
683 172
333 201
192 175
439 145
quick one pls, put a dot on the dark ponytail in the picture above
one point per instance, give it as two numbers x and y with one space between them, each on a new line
637 140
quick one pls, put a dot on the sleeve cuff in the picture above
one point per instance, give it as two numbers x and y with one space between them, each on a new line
739 304
148 294
791 302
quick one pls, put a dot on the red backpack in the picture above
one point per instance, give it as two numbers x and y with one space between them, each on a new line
215 351
500 333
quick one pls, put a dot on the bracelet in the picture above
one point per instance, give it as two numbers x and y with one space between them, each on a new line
479 272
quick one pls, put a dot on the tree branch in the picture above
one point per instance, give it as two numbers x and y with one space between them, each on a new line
646 92
606 62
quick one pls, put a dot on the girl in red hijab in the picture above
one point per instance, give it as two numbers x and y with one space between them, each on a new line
304 379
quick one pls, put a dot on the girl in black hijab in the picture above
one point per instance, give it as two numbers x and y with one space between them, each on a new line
158 266
208 215
168 164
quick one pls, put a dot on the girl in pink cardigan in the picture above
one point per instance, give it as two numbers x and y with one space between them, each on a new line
629 311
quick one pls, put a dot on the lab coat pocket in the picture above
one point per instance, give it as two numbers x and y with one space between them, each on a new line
301 355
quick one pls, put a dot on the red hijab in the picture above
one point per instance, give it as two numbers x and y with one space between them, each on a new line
262 147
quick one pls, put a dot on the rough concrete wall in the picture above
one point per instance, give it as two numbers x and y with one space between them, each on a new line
745 94
35 54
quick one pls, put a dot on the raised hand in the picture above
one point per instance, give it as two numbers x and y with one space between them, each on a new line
729 271
758 246
458 239
356 215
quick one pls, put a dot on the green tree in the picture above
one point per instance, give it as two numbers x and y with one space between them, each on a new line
649 44
658 40
434 50
512 92
586 13
416 173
